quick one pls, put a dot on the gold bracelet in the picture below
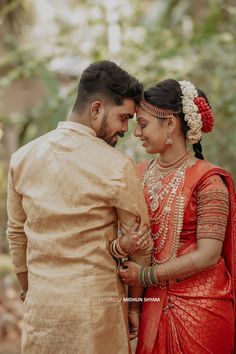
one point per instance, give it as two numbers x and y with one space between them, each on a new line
115 251
119 249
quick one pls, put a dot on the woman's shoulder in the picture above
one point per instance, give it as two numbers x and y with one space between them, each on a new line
205 165
205 168
210 176
213 182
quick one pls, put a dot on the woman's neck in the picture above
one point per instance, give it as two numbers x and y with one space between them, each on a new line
173 153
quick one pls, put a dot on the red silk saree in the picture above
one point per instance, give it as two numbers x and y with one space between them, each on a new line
195 315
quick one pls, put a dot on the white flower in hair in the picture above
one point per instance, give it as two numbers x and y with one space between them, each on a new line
196 125
190 110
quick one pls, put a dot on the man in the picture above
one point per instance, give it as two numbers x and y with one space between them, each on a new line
67 192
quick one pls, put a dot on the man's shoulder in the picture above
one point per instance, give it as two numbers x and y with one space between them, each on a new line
122 158
114 155
26 149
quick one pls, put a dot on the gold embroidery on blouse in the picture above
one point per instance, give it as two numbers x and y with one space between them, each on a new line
212 212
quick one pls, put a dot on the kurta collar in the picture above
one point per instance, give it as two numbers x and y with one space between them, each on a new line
84 129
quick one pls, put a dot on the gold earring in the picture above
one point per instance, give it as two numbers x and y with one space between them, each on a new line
169 140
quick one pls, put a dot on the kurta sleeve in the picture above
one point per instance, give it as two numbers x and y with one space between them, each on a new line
15 227
212 208
129 203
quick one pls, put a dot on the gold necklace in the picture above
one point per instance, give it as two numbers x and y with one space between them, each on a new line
154 175
153 178
174 163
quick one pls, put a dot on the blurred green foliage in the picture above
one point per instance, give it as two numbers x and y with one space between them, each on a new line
181 39
6 267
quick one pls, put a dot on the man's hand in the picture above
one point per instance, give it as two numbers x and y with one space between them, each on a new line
22 295
129 273
135 239
23 280
134 318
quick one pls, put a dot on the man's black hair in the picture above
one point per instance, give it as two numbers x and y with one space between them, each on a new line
106 80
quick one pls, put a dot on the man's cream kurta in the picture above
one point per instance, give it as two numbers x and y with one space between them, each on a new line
67 191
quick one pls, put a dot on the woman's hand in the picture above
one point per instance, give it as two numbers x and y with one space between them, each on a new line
135 239
129 273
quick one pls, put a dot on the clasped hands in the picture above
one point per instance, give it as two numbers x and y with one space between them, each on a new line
133 241
136 239
130 272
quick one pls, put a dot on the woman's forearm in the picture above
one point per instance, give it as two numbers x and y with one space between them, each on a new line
206 255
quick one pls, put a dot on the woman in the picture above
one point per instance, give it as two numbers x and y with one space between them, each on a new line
189 300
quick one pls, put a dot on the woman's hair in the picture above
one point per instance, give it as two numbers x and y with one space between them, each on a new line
167 94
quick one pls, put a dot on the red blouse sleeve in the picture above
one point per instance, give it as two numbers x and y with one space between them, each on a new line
212 208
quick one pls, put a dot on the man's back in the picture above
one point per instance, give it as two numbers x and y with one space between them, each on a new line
68 183
72 186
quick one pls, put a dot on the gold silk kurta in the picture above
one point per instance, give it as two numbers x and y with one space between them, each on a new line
67 191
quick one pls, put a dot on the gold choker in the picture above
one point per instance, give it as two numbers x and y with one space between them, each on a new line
175 163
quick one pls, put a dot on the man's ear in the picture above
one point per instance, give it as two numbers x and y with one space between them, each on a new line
96 109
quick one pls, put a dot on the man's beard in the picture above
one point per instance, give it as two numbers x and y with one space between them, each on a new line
104 133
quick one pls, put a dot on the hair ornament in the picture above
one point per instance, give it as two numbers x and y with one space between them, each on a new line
197 113
155 111
206 114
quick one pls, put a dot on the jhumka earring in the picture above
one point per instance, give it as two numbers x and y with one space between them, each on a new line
169 140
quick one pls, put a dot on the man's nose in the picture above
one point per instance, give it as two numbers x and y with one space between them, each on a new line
125 126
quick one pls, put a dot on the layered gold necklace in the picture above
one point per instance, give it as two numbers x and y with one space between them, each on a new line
157 171
157 190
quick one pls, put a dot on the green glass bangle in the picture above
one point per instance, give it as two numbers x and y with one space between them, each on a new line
152 275
146 276
142 277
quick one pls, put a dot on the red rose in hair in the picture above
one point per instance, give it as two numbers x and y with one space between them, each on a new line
206 114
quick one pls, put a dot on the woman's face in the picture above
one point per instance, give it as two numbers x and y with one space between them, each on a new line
151 131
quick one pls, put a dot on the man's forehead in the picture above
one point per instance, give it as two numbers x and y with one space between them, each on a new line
129 102
128 107
127 113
